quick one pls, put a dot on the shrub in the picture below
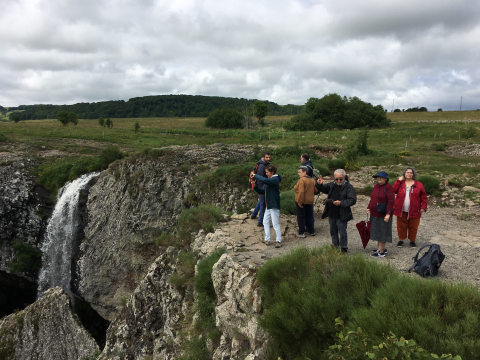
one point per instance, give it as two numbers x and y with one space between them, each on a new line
323 170
470 132
185 270
225 118
441 317
66 117
203 217
101 121
336 164
28 259
3 138
287 202
165 239
438 147
306 290
357 344
430 183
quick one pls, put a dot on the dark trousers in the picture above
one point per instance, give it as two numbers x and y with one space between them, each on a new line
304 219
338 226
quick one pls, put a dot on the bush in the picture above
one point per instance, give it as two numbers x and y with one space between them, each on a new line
438 147
287 201
185 270
28 259
225 118
470 132
323 170
440 317
203 217
357 344
66 117
430 183
336 164
3 138
306 290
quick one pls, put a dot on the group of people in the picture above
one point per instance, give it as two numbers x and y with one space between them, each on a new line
406 199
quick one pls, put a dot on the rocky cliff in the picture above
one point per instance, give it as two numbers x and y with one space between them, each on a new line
46 330
130 205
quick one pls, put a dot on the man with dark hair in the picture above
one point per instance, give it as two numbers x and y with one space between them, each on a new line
260 207
305 160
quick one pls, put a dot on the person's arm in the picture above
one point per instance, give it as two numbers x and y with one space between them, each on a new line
322 187
396 186
261 190
423 199
301 192
351 197
269 181
390 199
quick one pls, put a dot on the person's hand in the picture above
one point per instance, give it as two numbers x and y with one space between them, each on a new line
422 210
336 203
300 206
401 178
386 218
320 180
368 211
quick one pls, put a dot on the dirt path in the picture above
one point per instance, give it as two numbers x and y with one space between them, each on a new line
459 240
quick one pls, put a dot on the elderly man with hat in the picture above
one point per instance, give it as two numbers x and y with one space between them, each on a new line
380 208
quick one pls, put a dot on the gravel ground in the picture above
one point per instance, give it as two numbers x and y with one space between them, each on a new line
459 240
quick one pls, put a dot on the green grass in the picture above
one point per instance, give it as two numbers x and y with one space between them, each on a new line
306 290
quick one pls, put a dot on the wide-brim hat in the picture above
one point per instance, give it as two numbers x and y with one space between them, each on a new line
381 174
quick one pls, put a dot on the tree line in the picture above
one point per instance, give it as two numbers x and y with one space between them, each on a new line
149 106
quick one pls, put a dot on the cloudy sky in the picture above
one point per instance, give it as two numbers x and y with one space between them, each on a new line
410 53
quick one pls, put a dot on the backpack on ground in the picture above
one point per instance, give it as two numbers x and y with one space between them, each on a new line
429 263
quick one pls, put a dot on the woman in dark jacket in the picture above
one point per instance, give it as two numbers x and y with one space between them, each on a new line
380 209
271 191
410 203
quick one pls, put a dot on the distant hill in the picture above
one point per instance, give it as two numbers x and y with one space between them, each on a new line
150 106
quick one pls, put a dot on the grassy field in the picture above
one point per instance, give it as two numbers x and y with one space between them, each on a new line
427 144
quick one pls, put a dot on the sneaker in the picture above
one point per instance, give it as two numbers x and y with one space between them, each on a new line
278 245
378 254
300 235
266 242
260 224
311 234
344 251
400 243
413 244
385 252
253 217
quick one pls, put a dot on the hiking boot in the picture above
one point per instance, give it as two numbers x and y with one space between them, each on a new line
300 235
253 217
278 245
378 254
260 224
344 251
311 234
412 244
400 243
266 242
385 251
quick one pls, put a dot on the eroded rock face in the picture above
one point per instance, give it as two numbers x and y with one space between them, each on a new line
148 325
46 330
20 206
129 207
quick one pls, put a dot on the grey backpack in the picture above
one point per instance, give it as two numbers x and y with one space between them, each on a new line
429 263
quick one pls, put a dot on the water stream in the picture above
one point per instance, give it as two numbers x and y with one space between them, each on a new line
60 236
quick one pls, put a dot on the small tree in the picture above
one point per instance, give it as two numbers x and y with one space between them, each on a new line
101 121
16 118
136 126
109 123
66 117
440 109
261 109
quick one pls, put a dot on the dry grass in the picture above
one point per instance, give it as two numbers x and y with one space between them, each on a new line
434 116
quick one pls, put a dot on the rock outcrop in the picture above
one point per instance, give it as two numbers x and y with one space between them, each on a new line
128 208
46 330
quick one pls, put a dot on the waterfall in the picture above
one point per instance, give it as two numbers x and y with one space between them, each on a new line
60 236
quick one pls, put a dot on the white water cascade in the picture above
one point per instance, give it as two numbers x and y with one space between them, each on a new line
59 238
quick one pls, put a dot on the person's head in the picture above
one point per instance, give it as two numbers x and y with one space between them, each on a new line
267 156
270 170
409 173
340 175
302 171
382 177
304 157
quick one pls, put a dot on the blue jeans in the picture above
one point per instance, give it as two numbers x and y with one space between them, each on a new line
275 215
259 208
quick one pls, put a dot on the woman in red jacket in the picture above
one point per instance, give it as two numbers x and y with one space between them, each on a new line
410 203
380 209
